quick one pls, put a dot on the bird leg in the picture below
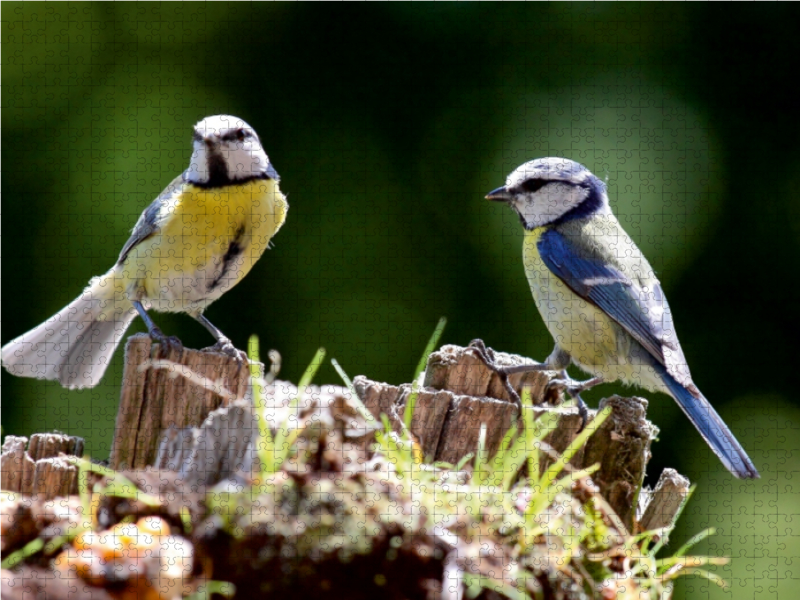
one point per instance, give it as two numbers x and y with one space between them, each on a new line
166 341
558 360
487 357
572 386
223 344
574 389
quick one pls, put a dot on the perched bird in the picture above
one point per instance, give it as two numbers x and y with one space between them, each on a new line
196 240
599 297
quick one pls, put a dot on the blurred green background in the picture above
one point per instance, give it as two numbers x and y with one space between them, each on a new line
388 124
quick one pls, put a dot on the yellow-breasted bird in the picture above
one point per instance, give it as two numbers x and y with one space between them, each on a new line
196 240
599 297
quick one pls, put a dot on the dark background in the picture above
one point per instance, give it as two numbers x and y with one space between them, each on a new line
388 124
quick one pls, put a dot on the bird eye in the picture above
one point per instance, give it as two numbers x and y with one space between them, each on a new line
240 135
533 185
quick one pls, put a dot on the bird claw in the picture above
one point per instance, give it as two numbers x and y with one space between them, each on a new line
167 342
571 386
487 357
225 346
574 388
564 382
480 349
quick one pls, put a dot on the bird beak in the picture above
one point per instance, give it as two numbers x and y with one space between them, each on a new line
501 194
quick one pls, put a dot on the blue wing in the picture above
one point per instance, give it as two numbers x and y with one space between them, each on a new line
149 221
641 310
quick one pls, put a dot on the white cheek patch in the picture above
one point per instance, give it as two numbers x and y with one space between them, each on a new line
242 161
198 164
550 203
559 198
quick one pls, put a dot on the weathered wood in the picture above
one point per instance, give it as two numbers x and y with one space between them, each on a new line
41 470
173 418
54 477
333 459
462 372
16 466
153 399
430 414
621 446
459 394
467 394
224 446
664 501
447 426
462 427
221 448
47 445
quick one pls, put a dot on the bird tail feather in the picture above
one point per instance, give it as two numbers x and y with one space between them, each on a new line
74 346
711 427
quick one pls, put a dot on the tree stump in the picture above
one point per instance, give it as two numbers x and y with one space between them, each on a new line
189 435
224 445
662 504
162 387
41 470
167 416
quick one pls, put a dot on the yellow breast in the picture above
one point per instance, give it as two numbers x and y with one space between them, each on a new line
213 218
208 240
577 326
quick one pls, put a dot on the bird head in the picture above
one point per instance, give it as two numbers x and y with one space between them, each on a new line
227 150
549 190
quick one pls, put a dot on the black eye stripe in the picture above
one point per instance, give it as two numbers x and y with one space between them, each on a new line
236 134
533 185
229 136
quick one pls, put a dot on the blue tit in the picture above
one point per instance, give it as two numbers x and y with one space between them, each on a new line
194 242
599 297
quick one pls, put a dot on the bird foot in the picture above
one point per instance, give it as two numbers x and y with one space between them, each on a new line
571 386
167 342
574 388
225 346
487 357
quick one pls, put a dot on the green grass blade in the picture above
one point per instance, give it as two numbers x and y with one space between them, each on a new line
480 471
310 371
284 438
118 485
31 548
84 493
694 540
660 543
266 443
423 361
556 468
207 590
535 432
362 410
434 339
